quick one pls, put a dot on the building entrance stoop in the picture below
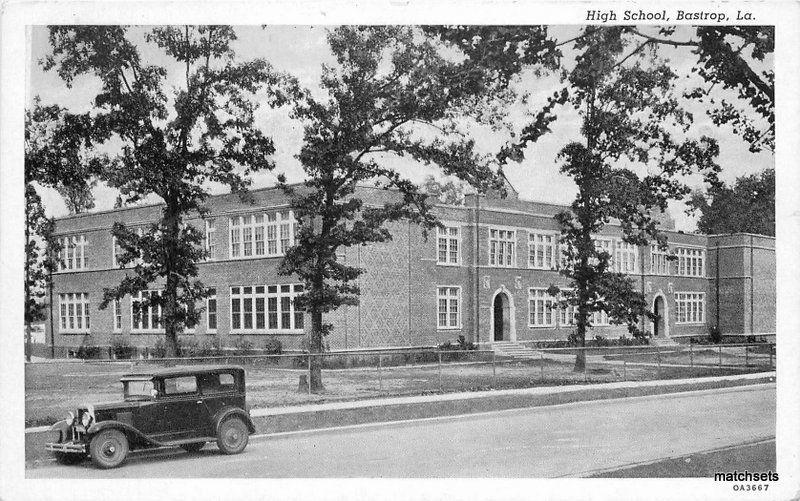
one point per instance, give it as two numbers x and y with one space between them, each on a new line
512 349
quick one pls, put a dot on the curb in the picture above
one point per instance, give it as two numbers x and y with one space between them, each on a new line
338 414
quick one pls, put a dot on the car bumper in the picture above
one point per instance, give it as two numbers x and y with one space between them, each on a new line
76 447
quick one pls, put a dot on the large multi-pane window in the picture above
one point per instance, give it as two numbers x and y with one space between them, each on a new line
73 255
599 318
255 235
117 315
690 307
74 312
625 257
659 264
146 317
540 308
542 251
691 261
448 310
448 240
210 239
211 311
501 247
265 308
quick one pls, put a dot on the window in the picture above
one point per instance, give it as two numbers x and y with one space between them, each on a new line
501 247
605 245
625 257
210 237
73 255
117 316
448 239
74 310
178 385
266 308
691 307
542 251
659 264
599 318
270 234
540 308
211 311
217 383
448 300
145 318
567 315
691 262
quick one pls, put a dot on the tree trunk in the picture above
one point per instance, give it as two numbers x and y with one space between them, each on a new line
315 347
171 327
580 358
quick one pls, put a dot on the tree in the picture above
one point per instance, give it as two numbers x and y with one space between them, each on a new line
733 58
391 94
55 158
170 147
747 207
447 193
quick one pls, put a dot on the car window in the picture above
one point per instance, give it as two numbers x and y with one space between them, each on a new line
178 385
215 383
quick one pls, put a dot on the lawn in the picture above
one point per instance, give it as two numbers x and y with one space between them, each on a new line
755 356
53 388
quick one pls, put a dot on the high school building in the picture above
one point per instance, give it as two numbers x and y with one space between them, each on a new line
484 276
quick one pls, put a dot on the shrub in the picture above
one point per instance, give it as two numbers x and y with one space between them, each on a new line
715 334
188 347
88 352
273 346
159 349
242 346
600 341
210 347
122 348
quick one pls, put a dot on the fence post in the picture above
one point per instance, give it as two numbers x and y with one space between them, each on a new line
747 356
658 361
380 376
720 357
440 371
308 383
624 370
691 353
494 371
541 365
585 367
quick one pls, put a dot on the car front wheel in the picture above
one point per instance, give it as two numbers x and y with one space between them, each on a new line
109 448
232 436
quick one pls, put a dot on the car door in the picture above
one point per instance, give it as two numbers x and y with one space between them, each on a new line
184 414
218 391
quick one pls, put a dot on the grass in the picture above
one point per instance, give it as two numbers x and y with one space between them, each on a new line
756 457
52 389
702 355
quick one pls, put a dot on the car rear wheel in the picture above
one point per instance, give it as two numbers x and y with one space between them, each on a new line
232 436
193 447
108 449
69 457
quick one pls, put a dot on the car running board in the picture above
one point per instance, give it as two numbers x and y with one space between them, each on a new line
184 441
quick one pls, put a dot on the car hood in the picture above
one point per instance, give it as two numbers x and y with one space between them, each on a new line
115 406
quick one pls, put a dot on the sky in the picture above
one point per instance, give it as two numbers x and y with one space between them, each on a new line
302 50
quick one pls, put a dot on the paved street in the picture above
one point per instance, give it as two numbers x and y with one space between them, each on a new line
567 440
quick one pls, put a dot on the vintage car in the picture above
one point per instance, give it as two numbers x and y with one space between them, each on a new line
181 406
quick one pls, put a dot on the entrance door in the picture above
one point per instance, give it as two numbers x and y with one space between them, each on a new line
500 316
658 309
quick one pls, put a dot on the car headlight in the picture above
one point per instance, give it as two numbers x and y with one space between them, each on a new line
85 419
70 417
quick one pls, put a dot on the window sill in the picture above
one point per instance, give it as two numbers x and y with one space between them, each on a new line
73 333
541 326
450 328
263 332
452 265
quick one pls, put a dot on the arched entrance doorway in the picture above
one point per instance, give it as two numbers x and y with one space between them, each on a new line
502 322
660 324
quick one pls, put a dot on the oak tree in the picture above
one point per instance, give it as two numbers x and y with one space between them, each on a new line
746 207
171 135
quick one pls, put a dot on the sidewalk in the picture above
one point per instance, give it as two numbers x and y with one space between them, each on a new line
335 414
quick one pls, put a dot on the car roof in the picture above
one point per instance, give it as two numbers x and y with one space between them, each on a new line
180 370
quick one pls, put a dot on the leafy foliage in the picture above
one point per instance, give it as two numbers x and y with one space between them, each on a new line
447 193
391 94
171 146
746 207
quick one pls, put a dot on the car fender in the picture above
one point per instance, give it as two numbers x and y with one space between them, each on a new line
129 430
227 412
62 427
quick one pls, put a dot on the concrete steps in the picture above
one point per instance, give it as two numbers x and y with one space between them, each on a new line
515 350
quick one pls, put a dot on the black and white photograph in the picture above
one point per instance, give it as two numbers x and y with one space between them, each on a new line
409 257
